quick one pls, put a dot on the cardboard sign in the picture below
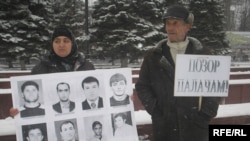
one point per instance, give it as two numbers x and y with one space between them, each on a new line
202 75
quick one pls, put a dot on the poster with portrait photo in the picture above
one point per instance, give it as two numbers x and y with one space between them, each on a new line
119 88
29 99
96 127
75 87
66 130
34 132
92 90
123 126
62 96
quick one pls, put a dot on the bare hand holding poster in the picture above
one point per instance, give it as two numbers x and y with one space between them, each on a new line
75 106
202 75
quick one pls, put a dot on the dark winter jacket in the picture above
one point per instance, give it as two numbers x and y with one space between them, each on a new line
50 66
173 118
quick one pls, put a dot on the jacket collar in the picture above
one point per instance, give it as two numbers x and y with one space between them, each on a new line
196 44
80 60
193 46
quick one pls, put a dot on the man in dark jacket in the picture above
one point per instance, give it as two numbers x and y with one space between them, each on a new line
174 118
65 105
91 89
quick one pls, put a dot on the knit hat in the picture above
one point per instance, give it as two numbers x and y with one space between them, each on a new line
62 31
67 62
177 12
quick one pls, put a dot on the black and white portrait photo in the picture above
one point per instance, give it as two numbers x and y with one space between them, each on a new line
31 98
118 85
122 126
64 105
92 92
35 132
96 128
66 130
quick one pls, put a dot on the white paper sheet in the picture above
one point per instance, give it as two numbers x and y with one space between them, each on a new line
82 119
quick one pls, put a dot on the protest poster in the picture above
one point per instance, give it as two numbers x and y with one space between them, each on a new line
202 75
55 107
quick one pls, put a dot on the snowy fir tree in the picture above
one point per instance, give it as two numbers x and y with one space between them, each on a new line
124 28
245 17
26 26
71 14
209 26
119 29
23 34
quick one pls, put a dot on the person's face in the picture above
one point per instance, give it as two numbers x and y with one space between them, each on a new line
30 94
119 87
98 130
63 92
176 29
68 132
35 135
91 90
62 46
119 121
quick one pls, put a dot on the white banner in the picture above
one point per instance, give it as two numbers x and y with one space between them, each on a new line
55 107
202 75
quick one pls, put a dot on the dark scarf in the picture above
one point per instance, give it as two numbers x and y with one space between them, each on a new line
65 64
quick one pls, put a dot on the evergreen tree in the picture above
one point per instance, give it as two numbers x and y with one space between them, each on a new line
124 28
26 26
209 25
71 14
245 16
23 34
